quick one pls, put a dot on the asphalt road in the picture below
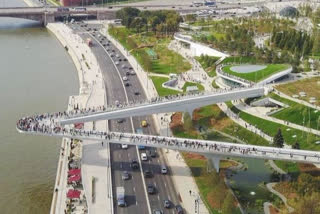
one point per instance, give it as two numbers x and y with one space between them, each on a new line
136 197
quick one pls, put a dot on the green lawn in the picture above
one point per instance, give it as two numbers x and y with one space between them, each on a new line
167 60
297 113
239 60
187 84
289 167
158 81
257 75
290 135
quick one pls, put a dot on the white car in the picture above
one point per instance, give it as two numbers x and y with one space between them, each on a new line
164 170
132 72
125 78
117 55
144 156
117 63
124 146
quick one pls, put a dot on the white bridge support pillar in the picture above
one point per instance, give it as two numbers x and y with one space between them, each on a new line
213 162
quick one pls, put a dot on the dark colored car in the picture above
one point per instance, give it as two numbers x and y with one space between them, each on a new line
136 93
166 204
151 189
152 153
134 164
147 174
120 120
157 212
125 175
179 209
127 84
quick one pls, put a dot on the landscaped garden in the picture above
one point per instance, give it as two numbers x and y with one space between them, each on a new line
158 81
258 75
297 113
310 86
291 136
151 51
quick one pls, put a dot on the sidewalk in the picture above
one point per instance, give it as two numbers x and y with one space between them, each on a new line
180 170
245 108
95 158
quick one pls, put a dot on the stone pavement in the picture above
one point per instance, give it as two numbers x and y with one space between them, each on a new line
95 157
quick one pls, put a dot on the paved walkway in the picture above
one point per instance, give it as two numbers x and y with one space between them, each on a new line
180 171
296 100
95 158
283 198
248 109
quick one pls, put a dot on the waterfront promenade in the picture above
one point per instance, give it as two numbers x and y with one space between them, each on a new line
94 158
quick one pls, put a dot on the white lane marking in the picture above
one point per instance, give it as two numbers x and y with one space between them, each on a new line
134 189
158 161
169 197
155 184
165 184
120 155
136 202
128 155
158 197
120 165
131 121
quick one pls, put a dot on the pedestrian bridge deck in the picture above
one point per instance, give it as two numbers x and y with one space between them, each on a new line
205 147
182 103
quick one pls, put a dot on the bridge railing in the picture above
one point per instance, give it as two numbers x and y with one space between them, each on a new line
182 144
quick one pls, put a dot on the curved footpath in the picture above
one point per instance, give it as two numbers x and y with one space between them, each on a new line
283 198
93 164
181 173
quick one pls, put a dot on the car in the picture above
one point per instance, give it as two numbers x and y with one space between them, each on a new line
134 164
125 59
166 204
152 153
111 55
132 72
140 147
120 60
164 170
136 93
127 73
125 175
117 55
120 120
123 66
117 63
124 78
124 146
151 189
157 212
144 123
179 209
127 84
144 156
147 174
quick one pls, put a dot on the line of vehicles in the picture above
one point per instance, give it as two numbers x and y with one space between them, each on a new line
66 9
145 153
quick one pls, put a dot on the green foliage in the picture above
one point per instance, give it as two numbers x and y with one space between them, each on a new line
207 61
257 75
187 121
309 204
278 140
127 15
158 81
297 42
187 84
227 207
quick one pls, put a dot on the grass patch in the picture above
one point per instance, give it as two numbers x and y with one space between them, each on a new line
167 61
290 135
158 81
214 84
187 84
288 167
297 113
310 86
211 187
257 75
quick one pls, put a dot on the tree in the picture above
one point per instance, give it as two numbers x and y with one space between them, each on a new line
228 204
187 121
127 15
309 204
296 145
278 140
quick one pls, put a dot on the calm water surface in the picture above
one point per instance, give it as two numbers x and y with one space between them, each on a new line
36 75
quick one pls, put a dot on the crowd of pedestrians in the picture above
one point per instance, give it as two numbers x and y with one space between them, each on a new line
45 124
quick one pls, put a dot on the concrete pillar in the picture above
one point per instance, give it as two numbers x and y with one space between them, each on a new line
48 18
213 162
